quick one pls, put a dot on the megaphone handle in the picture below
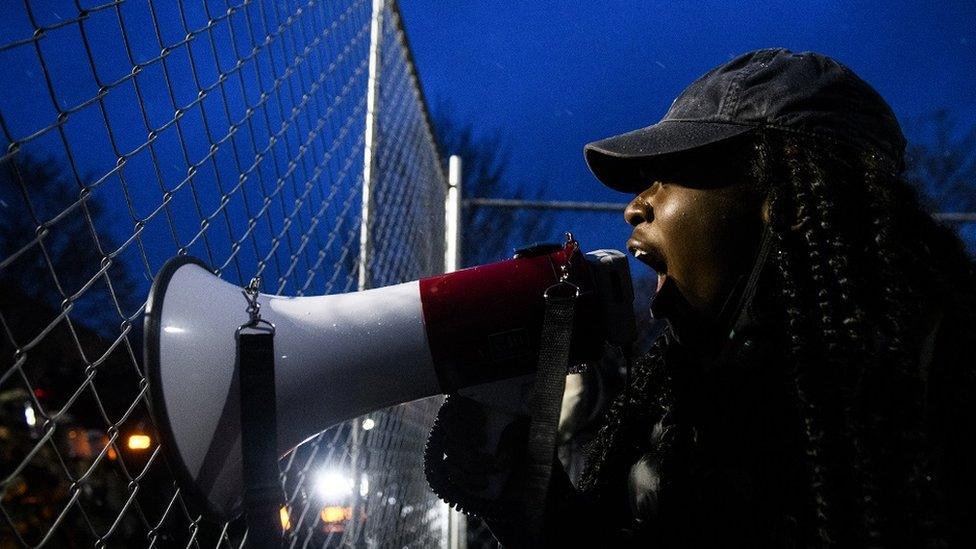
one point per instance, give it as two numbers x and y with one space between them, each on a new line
259 439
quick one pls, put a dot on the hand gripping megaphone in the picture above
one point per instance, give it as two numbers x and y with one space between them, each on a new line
341 356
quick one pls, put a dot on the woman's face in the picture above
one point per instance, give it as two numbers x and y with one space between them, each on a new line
701 237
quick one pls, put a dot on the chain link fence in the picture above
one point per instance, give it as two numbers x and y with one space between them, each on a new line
236 132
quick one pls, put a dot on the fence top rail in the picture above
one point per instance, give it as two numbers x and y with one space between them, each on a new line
544 204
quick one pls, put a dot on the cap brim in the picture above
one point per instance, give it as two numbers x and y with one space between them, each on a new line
622 162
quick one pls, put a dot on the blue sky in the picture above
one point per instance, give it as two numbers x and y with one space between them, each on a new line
551 76
547 76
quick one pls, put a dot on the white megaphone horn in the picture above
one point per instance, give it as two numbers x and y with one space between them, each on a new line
341 356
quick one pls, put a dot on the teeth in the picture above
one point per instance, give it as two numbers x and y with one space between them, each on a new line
639 253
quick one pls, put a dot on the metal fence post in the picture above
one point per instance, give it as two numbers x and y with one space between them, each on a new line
455 523
457 530
370 150
452 216
370 141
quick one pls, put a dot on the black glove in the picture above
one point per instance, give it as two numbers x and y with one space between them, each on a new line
474 457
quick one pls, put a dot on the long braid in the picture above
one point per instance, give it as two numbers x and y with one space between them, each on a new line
846 342
901 415
870 305
839 336
787 263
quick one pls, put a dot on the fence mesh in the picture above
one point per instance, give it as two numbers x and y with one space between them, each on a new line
137 130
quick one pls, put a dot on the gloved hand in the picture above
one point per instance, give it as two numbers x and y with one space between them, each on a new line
476 451
476 461
477 446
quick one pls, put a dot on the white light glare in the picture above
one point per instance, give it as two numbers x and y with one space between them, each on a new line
368 424
364 486
332 485
29 415
173 330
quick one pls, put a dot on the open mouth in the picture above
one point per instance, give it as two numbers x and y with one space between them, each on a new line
644 254
647 255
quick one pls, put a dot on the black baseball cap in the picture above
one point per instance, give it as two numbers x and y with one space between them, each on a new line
806 93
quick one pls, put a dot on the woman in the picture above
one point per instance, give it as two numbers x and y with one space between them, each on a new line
811 388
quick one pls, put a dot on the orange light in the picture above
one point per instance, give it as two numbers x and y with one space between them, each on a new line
331 513
285 519
139 442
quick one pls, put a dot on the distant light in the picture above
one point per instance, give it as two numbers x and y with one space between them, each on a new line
368 424
29 414
285 519
332 485
139 442
335 513
173 330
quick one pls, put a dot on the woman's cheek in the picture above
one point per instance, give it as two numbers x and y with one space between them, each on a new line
670 220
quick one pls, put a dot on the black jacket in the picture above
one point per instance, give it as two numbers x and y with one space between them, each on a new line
737 475
735 481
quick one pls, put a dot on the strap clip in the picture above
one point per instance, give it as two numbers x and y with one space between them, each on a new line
564 286
251 292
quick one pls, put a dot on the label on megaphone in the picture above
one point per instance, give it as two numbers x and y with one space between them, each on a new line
485 323
341 356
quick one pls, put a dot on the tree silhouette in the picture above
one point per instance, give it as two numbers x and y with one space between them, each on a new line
942 166
55 246
63 378
488 233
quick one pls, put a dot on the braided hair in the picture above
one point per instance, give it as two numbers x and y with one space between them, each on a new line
859 275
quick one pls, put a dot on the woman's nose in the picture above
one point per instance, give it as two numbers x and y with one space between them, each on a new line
639 210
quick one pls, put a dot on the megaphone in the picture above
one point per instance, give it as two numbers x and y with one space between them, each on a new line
342 356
